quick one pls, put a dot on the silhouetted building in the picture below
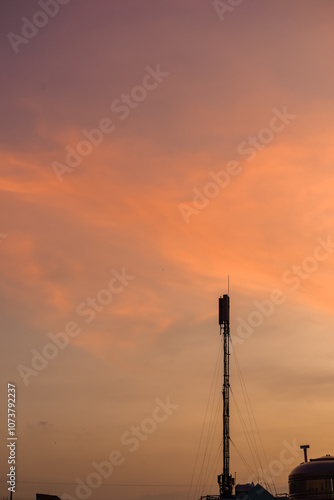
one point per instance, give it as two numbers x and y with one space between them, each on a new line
313 480
246 492
42 496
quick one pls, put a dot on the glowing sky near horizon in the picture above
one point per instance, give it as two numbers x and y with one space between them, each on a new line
211 154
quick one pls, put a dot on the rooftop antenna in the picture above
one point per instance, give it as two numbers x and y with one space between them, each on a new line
225 480
305 448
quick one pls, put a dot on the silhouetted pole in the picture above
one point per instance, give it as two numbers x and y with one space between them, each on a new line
305 448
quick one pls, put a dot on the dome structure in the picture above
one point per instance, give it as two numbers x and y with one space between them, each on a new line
313 480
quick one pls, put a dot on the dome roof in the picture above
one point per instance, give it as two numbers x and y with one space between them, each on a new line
323 466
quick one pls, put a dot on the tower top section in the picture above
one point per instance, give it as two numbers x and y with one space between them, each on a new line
224 309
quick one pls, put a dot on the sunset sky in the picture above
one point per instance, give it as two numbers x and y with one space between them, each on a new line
149 149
